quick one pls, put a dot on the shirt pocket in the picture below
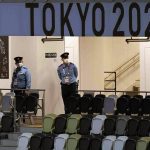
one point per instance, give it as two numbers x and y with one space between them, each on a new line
71 71
63 72
21 77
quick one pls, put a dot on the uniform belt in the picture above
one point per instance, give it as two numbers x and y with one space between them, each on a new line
68 83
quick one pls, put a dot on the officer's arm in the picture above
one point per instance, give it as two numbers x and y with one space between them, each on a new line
59 74
11 86
28 79
75 71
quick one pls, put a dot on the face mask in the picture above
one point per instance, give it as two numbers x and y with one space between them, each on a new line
65 61
20 64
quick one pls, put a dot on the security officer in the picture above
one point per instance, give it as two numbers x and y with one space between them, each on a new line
68 74
21 78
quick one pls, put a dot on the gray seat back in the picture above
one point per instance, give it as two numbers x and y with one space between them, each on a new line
109 105
6 103
60 141
119 143
23 141
107 143
121 125
97 124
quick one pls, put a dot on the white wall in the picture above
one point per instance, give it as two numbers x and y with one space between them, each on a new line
43 70
116 53
47 74
145 66
99 54
92 55
91 63
26 47
21 46
72 46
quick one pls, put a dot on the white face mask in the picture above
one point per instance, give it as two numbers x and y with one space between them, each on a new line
20 64
65 61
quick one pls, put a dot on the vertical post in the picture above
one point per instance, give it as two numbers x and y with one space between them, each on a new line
146 93
115 83
43 105
14 101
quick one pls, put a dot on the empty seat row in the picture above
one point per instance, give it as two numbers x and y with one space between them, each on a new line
23 101
96 124
111 104
85 104
42 141
134 105
89 132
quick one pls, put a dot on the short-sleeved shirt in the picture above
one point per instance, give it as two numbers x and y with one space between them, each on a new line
21 78
67 73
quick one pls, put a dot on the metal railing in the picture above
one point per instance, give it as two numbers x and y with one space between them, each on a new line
41 106
113 80
121 70
115 92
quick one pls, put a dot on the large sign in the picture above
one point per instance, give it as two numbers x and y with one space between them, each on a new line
118 18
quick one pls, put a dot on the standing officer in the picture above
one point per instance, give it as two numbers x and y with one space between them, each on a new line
68 74
21 78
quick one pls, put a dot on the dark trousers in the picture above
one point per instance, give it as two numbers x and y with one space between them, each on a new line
19 92
67 91
20 101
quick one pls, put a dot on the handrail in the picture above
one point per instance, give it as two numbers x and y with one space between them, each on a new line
130 63
23 89
128 67
124 64
102 91
112 80
127 62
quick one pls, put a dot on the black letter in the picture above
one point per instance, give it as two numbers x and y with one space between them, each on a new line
32 6
101 7
50 6
117 32
137 8
64 19
83 16
147 31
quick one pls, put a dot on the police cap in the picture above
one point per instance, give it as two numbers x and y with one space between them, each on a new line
18 59
64 55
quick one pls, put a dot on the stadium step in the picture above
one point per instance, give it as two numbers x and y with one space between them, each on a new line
7 142
14 136
7 148
11 142
31 129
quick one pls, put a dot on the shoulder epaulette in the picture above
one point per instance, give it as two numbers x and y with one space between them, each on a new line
60 65
71 63
24 67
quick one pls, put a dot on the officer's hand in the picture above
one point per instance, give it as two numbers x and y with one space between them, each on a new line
11 90
27 91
